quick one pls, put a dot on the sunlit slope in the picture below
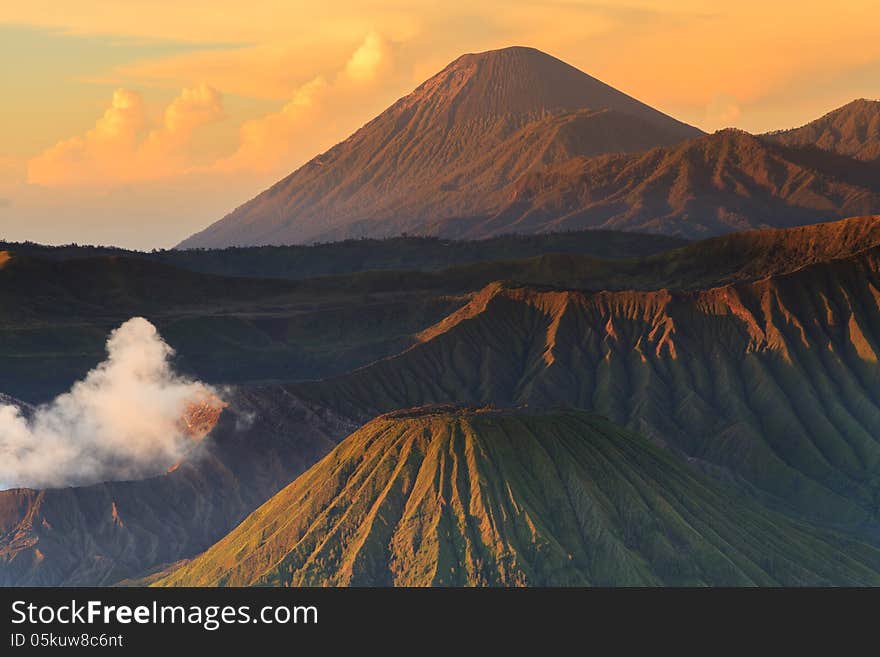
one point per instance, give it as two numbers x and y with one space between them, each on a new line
737 257
720 183
452 148
776 380
853 130
456 498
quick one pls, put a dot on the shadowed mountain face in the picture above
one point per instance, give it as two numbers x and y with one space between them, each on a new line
453 147
55 316
853 130
101 534
776 381
721 183
456 498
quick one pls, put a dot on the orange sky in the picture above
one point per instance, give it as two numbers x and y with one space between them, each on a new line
138 123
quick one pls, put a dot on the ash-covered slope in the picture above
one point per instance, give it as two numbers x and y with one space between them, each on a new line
476 498
101 534
775 381
721 183
450 148
853 130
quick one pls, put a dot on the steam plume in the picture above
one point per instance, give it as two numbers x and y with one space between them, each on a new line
124 420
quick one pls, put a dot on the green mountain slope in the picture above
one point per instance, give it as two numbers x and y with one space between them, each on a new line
776 380
456 498
771 382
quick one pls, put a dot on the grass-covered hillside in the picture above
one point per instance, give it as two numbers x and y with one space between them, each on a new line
475 498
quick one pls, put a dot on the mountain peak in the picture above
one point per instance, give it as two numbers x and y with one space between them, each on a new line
859 104
525 81
858 109
465 136
506 53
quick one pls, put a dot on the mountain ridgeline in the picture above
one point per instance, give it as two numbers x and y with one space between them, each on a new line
231 323
411 253
721 183
58 307
852 130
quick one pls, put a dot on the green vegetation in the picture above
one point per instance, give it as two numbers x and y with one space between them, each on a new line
486 498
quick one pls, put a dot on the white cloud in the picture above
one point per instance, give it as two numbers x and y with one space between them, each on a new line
122 147
317 113
369 60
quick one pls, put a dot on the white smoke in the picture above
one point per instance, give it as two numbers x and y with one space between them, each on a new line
122 421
